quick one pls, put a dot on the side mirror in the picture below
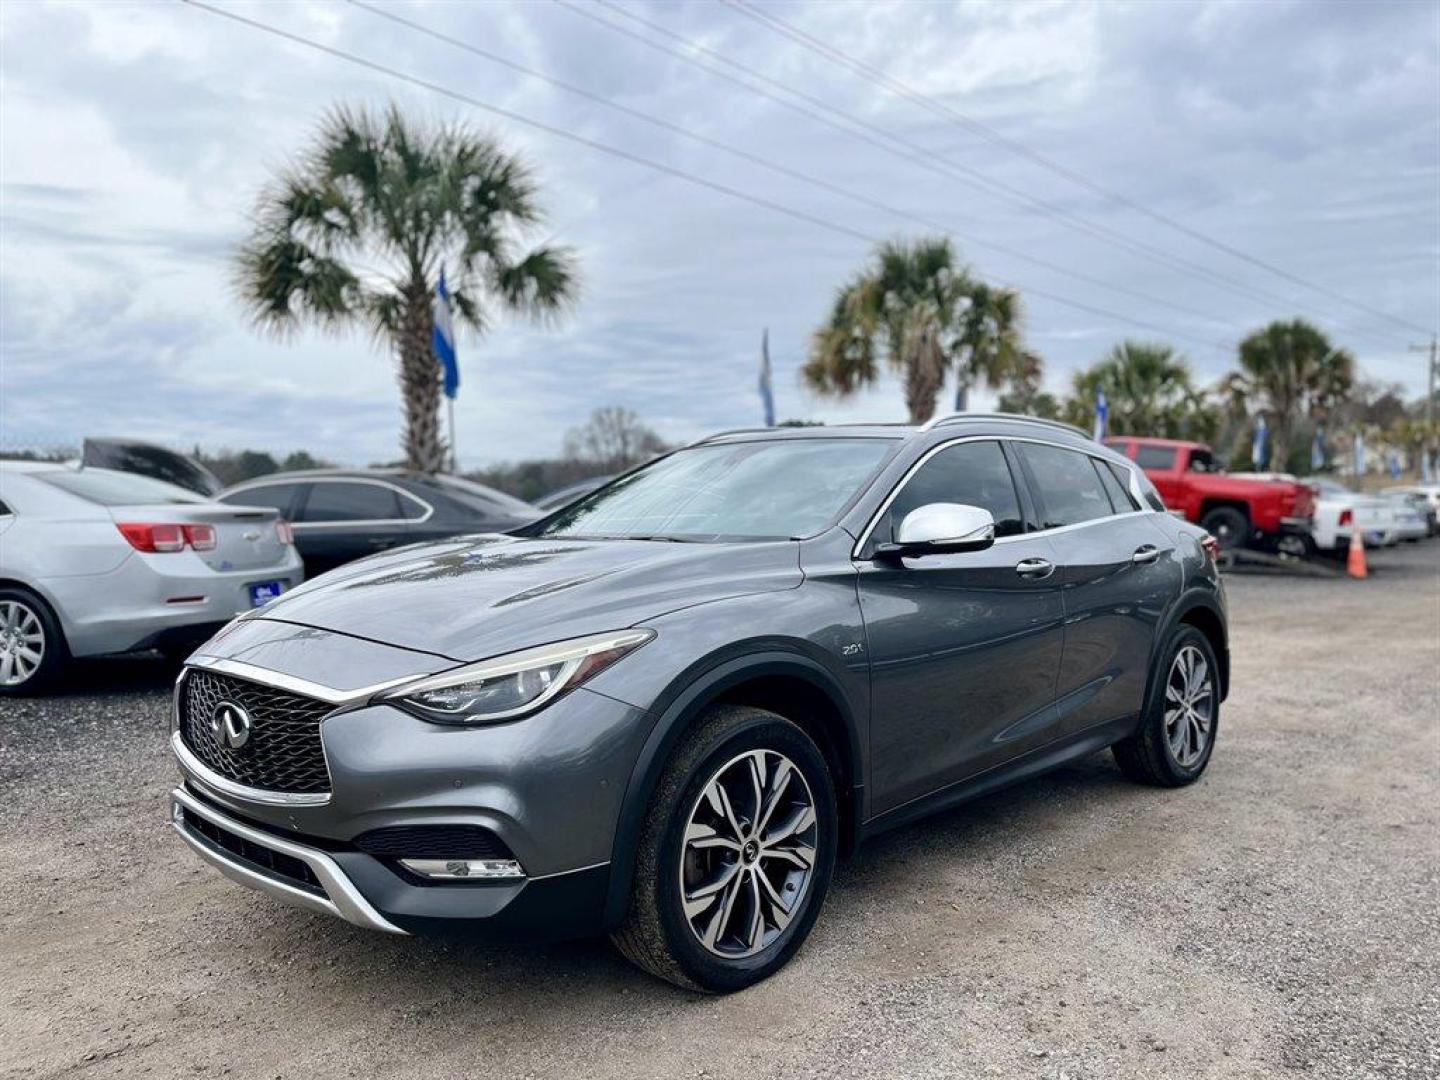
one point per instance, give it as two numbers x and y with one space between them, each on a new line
942 527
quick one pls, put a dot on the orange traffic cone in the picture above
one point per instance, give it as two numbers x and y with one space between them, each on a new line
1355 564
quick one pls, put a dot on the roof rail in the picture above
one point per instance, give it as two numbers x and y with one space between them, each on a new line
729 431
955 418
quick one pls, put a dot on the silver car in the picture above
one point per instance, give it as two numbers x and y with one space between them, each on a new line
94 561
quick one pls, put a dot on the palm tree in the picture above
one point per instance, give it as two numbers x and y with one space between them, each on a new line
1148 390
919 306
990 349
359 229
1287 371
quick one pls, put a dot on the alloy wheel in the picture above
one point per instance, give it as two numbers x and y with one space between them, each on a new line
749 853
22 642
1189 706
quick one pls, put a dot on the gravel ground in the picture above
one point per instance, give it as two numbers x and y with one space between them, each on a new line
1281 915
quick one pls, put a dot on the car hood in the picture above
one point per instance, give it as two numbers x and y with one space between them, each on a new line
473 597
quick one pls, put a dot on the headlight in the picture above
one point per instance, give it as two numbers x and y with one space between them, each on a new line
511 686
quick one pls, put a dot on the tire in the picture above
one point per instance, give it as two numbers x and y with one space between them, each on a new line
1228 525
1297 545
657 934
27 625
1156 754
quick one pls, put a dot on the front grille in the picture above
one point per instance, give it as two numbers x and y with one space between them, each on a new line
283 752
433 842
277 864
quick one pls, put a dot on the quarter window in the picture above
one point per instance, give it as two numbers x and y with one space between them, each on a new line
1115 486
1070 489
352 502
972 473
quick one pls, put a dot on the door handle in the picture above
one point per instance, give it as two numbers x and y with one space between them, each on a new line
1035 568
1145 553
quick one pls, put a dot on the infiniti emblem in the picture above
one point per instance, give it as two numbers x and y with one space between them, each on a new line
230 724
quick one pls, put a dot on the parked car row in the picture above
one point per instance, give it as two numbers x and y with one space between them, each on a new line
136 547
1277 511
97 561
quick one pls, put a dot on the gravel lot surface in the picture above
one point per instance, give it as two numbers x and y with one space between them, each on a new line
1281 916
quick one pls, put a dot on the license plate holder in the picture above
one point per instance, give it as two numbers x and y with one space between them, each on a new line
262 592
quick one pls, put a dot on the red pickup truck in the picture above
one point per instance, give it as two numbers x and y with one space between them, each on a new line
1235 510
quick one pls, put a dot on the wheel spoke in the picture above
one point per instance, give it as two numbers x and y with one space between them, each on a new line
725 878
755 767
780 779
701 837
802 856
798 822
757 914
7 668
727 908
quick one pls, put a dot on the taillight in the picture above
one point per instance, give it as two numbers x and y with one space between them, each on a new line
153 537
149 537
1211 546
1347 517
200 537
284 533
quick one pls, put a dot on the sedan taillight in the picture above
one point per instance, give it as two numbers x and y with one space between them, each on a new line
1347 517
200 537
284 533
145 537
158 538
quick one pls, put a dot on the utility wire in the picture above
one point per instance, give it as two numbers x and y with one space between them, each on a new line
998 138
782 170
625 155
914 152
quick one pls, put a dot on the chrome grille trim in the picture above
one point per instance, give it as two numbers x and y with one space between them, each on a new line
284 764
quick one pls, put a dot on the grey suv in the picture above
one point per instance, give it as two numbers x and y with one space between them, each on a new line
663 711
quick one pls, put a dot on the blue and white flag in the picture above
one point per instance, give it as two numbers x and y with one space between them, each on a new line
1317 451
1102 415
442 341
1394 465
1258 447
767 390
1359 454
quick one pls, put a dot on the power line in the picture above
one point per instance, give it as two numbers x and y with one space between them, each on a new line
914 152
782 170
881 78
625 155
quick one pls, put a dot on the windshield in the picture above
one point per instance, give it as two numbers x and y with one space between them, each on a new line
784 489
117 488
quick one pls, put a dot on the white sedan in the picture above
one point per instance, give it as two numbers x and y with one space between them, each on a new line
94 561
1339 512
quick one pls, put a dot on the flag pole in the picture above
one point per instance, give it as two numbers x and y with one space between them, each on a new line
454 454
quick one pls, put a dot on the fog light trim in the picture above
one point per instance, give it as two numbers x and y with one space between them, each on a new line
465 869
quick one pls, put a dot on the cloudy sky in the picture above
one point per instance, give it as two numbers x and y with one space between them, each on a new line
134 137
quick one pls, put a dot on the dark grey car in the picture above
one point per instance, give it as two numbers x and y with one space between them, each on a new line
662 712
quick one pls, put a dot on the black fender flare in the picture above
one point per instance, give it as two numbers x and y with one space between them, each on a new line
1196 597
683 707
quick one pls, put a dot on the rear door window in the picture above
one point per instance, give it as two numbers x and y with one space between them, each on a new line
1161 458
279 497
1069 489
331 500
973 474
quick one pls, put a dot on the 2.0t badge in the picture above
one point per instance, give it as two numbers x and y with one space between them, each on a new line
230 724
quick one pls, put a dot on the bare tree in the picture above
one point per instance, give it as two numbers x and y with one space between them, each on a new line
614 438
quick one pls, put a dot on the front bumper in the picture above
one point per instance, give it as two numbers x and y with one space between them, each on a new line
335 879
